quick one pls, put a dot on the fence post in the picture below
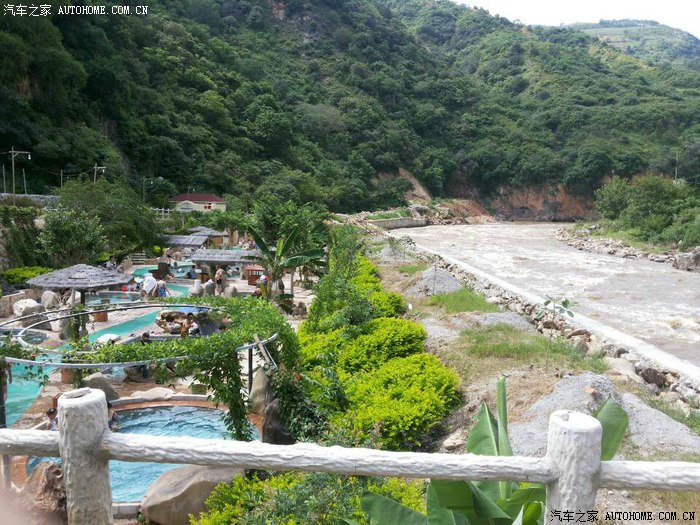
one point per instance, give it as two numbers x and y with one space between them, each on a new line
573 450
82 422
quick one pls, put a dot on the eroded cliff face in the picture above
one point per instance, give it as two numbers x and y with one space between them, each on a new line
546 203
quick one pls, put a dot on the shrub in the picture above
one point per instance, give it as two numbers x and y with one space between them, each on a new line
366 277
22 274
302 499
612 199
387 304
316 346
406 398
383 339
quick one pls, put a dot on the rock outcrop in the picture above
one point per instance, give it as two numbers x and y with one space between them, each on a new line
100 382
181 492
44 494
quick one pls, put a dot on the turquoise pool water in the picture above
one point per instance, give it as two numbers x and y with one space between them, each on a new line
23 390
95 299
130 480
143 271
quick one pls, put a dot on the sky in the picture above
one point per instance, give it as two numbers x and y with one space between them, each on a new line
681 14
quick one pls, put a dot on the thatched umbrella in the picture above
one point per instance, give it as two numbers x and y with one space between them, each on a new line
81 277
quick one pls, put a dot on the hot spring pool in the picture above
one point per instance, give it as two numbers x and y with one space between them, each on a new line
130 480
95 299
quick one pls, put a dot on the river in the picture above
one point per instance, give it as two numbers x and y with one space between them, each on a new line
651 302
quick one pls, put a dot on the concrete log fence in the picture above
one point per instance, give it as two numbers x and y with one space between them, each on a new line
571 469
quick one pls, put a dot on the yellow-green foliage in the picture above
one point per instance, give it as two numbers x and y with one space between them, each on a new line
367 276
405 399
316 346
387 304
229 502
22 274
383 339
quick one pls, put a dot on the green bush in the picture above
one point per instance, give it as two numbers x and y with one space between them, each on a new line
612 199
387 304
22 274
302 499
383 339
315 346
406 399
366 277
685 230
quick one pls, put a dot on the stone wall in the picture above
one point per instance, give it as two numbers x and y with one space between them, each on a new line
40 199
8 301
393 224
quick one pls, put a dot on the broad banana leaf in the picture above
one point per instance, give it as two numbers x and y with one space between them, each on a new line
384 511
505 487
439 515
614 420
467 499
524 497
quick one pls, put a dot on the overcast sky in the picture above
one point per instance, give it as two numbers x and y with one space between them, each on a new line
682 14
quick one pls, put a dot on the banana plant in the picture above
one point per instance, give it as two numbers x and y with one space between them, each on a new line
488 502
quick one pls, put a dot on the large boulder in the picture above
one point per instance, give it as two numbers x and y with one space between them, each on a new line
209 288
140 373
25 307
274 429
261 393
64 328
100 382
688 261
196 289
159 393
181 492
50 300
230 291
44 494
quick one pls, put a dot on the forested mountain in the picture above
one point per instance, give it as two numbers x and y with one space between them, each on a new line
647 40
310 99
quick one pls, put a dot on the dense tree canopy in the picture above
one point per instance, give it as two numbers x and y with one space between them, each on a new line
309 101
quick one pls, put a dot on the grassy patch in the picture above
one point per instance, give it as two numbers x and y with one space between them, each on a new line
657 403
394 214
501 346
463 300
412 269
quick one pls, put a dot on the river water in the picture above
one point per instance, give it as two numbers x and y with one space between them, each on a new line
649 301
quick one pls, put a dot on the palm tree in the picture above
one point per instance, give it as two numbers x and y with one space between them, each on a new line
277 261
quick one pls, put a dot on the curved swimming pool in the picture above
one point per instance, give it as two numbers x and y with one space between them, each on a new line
130 480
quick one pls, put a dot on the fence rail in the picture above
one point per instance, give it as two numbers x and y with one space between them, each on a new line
571 469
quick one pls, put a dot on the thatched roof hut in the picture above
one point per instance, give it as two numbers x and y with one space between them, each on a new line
81 277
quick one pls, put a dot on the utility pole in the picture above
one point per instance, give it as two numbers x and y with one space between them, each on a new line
4 186
96 168
61 178
675 177
24 178
13 154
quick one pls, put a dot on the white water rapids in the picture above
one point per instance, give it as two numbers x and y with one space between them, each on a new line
649 301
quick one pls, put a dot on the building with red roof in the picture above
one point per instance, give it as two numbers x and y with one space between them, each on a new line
205 202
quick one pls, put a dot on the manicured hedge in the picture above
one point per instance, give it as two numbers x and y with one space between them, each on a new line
383 339
22 274
405 400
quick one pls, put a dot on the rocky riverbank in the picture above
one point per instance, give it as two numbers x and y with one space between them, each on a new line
582 240
682 392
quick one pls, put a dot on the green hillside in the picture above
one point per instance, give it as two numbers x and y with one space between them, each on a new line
647 40
310 100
